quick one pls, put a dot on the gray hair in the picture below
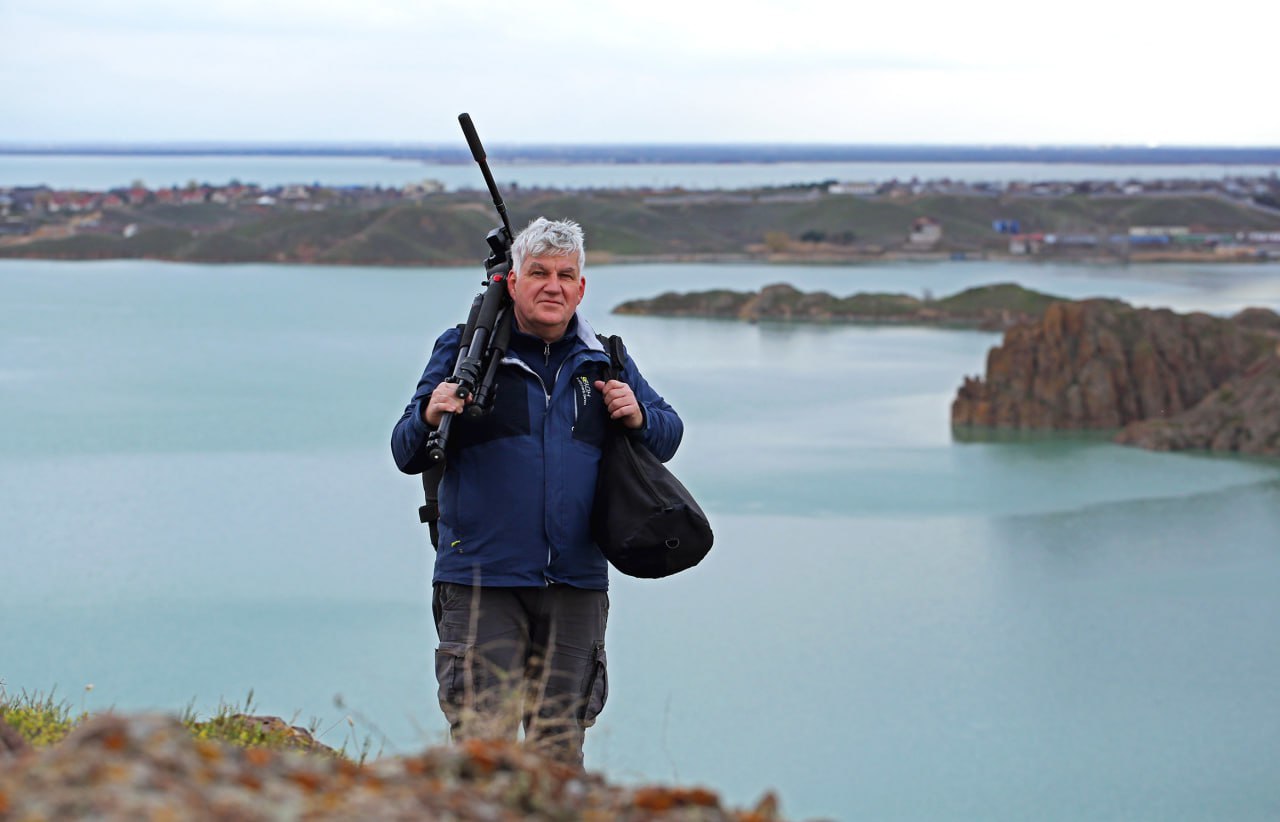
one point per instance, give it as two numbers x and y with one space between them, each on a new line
548 238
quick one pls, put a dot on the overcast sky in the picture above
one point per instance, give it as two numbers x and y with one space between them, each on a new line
675 71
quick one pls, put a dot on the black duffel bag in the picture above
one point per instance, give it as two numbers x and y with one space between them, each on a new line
645 521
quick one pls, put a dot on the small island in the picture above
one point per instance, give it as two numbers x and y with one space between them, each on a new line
991 307
1161 380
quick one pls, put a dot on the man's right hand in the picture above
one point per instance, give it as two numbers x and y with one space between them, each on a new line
444 400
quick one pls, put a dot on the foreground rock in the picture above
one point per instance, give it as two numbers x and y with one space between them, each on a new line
1101 364
150 767
992 307
12 743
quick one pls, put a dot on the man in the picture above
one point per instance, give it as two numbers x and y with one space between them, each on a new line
520 589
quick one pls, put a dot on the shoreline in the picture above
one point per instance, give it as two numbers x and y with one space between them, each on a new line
708 258
821 223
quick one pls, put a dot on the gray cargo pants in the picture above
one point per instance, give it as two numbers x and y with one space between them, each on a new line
531 657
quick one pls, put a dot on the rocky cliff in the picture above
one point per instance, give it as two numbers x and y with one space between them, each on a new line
1243 415
1100 364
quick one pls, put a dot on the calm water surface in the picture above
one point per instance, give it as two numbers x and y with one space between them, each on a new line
197 498
104 172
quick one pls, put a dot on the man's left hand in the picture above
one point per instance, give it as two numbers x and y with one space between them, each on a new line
621 402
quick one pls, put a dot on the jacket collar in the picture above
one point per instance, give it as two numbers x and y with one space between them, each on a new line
588 335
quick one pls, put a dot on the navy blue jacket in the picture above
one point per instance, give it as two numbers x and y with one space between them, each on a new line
515 500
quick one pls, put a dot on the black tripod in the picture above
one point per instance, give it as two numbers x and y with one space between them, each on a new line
484 338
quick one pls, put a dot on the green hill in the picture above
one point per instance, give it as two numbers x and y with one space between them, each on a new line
450 229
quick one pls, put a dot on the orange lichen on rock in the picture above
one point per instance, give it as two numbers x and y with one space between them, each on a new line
114 740
208 751
483 754
664 799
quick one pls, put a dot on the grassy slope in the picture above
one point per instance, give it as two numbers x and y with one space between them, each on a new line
1000 297
452 229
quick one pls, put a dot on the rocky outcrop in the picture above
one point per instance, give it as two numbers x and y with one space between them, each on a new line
1258 319
150 767
1243 415
1101 364
993 307
294 737
12 743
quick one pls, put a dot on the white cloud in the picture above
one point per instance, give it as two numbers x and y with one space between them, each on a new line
668 70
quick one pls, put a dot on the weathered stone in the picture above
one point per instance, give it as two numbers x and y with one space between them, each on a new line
150 767
1243 415
12 743
295 736
1260 319
1101 364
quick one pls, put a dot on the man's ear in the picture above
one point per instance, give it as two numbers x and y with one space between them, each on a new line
582 285
511 283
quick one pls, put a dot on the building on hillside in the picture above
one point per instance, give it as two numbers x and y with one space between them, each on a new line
1025 243
423 189
1072 240
854 189
1158 230
926 232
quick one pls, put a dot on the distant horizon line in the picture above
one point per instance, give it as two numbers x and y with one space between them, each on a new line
629 153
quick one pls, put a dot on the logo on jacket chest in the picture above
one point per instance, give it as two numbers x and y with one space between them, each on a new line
589 414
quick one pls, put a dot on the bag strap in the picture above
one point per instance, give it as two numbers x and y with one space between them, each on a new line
617 354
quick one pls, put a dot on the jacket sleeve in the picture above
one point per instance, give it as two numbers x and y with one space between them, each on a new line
663 428
411 432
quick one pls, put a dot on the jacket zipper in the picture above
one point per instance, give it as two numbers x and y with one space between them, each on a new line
547 402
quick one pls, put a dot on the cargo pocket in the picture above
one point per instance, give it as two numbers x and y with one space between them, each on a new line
597 691
451 674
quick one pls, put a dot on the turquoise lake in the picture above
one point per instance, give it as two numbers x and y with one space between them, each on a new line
105 172
197 498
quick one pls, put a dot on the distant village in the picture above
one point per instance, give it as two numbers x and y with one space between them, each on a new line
927 234
23 207
40 212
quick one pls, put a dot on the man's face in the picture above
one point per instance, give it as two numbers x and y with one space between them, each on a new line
546 291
